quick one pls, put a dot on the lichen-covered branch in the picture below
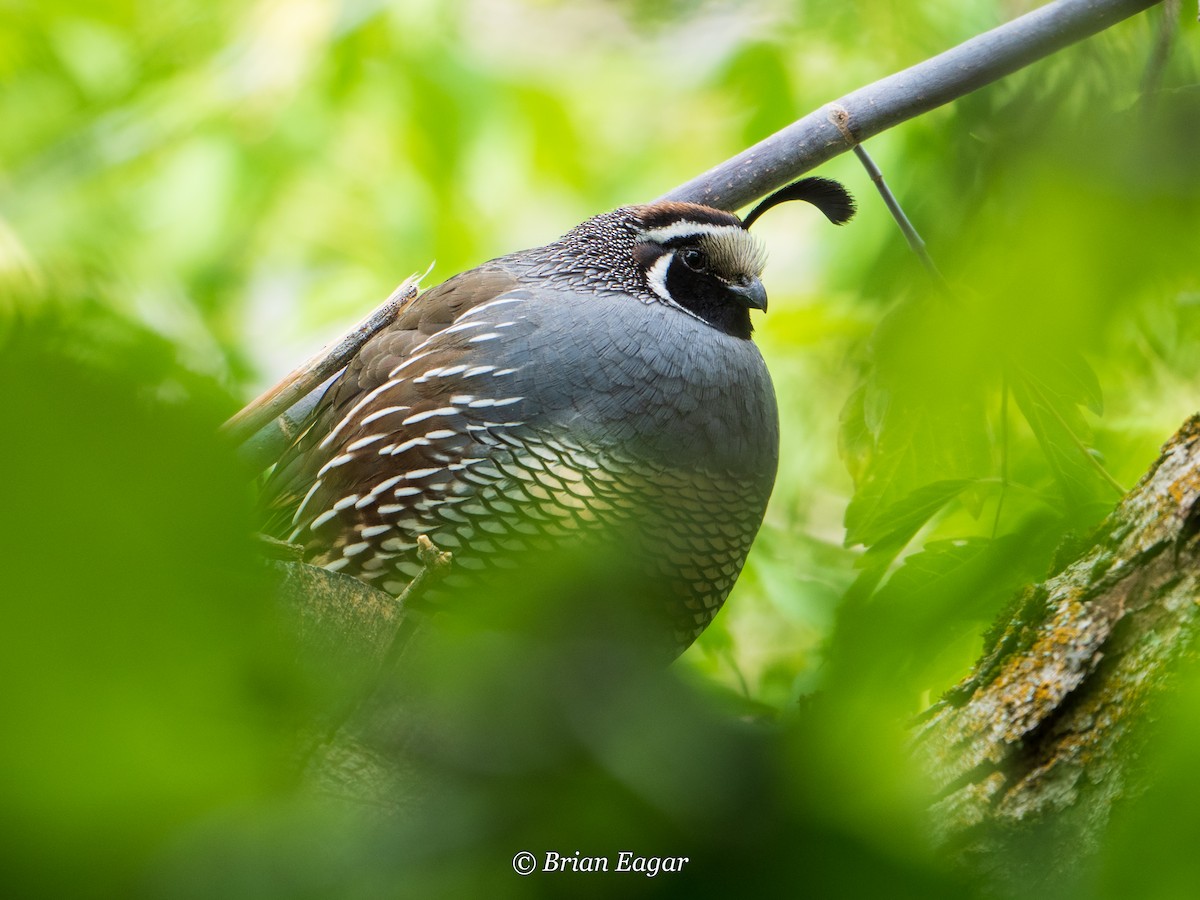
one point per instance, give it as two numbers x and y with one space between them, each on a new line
1042 738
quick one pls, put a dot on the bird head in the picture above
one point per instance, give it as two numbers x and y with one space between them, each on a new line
706 262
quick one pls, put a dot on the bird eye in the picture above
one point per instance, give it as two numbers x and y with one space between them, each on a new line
696 260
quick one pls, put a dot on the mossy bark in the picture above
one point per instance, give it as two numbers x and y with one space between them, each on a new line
1038 744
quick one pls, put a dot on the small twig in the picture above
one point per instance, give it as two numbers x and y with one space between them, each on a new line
435 564
328 360
1003 454
915 241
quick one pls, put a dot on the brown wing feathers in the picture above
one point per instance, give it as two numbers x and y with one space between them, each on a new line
362 403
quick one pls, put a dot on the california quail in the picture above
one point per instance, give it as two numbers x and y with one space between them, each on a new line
601 388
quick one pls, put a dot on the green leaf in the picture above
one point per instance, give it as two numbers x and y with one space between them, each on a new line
1073 377
947 588
888 533
949 572
1049 391
856 444
920 417
901 520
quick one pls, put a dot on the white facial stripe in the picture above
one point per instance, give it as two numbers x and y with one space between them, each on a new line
657 276
691 229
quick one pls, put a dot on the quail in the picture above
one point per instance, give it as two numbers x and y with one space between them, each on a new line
599 391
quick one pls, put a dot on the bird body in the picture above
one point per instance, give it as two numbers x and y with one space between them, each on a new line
600 392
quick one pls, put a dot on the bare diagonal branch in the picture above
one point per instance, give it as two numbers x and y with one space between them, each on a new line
836 127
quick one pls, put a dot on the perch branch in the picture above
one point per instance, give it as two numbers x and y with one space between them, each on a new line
834 128
355 633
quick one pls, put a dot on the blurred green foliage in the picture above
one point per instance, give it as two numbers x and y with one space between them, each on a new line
194 196
145 679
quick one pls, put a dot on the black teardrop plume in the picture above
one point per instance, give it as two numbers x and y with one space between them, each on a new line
825 194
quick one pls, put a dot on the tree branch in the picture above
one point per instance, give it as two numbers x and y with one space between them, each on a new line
836 127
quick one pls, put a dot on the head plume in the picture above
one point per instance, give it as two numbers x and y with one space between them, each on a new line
825 194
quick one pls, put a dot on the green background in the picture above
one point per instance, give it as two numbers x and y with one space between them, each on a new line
194 197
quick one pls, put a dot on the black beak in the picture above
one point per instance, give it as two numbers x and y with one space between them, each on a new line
750 292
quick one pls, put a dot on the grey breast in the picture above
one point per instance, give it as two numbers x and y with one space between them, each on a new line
672 425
